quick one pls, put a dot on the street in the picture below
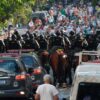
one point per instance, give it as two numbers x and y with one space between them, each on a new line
64 93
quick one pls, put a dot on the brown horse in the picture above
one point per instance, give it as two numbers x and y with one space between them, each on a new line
44 56
59 64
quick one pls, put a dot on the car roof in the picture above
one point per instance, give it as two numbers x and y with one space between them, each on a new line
9 55
40 12
8 58
30 54
88 68
20 51
85 72
27 54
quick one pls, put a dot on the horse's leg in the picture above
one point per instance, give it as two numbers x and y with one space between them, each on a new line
64 78
47 68
69 75
45 63
69 69
74 67
53 63
60 76
75 63
54 77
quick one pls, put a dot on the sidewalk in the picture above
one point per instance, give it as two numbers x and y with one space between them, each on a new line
64 93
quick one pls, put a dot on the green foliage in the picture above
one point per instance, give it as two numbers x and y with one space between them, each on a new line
15 9
94 2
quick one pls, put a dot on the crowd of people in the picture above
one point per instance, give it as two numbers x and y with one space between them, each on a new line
78 25
73 28
82 19
73 20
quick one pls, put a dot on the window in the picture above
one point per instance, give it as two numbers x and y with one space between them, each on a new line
88 91
30 61
9 65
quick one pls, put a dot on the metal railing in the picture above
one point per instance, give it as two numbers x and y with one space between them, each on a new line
88 53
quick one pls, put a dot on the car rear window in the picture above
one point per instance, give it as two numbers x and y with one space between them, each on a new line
9 65
38 15
30 61
88 91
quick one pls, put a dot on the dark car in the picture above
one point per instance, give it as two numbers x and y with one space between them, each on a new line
43 15
14 80
34 68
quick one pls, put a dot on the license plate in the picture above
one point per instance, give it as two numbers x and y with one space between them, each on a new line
2 82
33 77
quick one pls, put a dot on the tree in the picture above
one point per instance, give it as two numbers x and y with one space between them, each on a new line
10 8
94 2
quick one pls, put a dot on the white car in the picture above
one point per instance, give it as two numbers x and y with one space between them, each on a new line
86 84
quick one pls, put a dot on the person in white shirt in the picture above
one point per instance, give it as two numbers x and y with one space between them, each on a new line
51 19
78 30
47 91
51 16
90 10
60 17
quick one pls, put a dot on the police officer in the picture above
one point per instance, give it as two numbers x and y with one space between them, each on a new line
42 43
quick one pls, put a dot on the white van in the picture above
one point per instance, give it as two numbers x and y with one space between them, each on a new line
86 83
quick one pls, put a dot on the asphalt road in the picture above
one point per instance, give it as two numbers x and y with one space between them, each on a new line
64 93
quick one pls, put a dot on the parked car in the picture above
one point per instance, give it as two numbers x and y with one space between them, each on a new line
34 68
14 79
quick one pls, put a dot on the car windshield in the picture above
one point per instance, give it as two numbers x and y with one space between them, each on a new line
88 91
30 61
9 65
39 15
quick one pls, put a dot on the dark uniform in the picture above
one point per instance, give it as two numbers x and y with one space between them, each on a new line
2 46
58 41
43 43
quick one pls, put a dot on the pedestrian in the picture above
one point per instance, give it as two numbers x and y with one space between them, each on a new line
47 91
